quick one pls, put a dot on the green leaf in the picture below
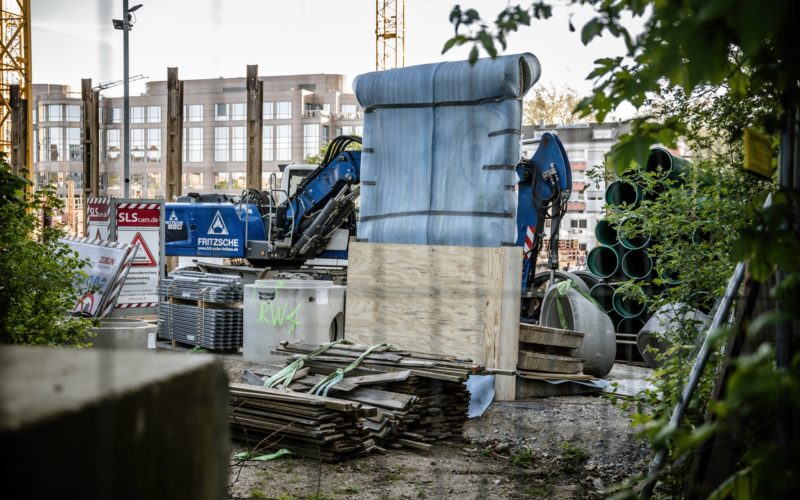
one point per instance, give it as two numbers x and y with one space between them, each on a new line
487 43
473 54
449 44
590 30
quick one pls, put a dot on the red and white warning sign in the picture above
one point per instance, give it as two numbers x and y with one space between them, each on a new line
144 257
140 224
98 218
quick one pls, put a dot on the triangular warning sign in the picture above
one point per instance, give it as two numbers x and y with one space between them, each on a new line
143 257
173 216
97 235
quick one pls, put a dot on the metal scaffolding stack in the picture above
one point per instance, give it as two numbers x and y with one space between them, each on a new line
201 309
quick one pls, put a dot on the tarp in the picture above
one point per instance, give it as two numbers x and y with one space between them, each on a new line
439 149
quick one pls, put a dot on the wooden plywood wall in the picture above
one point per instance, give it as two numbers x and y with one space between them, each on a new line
458 301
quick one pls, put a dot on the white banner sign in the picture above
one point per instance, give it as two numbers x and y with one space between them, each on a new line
105 261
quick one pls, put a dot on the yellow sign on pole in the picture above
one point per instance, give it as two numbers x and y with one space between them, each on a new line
757 153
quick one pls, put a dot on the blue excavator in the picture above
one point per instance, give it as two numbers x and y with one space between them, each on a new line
317 219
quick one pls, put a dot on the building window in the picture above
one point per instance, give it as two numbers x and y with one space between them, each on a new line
231 181
266 111
349 109
283 142
73 113
54 113
603 133
116 115
577 155
54 143
137 144
74 144
36 146
222 144
225 112
283 110
267 147
577 223
153 114
582 247
193 113
153 184
112 144
113 180
326 132
230 143
193 180
352 130
310 139
137 114
193 144
154 144
238 143
238 111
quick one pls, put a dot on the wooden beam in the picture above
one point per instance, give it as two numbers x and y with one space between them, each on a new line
89 139
255 100
174 135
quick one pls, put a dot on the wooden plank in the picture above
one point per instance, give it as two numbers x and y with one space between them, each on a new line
553 376
538 362
448 301
543 335
379 378
527 388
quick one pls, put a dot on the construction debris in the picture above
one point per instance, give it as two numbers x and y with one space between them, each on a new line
414 398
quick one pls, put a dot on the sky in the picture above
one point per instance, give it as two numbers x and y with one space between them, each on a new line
75 39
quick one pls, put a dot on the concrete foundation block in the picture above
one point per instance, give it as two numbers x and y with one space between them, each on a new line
112 424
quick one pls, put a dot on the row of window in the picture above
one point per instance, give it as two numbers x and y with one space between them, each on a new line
230 143
148 184
277 110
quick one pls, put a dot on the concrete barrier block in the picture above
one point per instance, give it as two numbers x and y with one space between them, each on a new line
112 424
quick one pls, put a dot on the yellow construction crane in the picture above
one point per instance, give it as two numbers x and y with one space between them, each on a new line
390 34
15 69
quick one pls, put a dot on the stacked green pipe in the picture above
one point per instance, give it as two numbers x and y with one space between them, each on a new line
622 256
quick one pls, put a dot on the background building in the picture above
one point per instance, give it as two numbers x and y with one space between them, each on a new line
301 113
586 146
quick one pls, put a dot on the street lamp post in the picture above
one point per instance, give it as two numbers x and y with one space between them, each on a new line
125 25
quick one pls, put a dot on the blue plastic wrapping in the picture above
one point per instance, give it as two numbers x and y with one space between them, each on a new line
440 145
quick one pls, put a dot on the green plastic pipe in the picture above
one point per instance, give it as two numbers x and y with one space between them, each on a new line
603 261
605 233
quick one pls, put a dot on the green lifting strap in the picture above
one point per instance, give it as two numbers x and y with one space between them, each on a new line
562 287
321 389
286 375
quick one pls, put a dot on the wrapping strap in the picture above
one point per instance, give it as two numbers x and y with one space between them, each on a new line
321 389
286 375
562 287
406 105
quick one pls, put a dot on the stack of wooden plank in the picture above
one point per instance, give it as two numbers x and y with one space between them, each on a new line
319 427
419 398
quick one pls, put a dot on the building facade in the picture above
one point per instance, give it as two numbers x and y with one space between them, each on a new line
301 113
586 146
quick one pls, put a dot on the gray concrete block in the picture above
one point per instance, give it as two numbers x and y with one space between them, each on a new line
112 424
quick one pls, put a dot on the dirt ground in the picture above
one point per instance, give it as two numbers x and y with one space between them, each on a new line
556 447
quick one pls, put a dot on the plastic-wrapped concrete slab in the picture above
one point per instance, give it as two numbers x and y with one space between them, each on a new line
441 142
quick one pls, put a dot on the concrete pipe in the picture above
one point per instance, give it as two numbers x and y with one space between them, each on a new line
605 233
589 279
621 194
653 338
603 261
628 238
599 345
120 333
630 325
637 264
603 293
668 276
628 301
666 165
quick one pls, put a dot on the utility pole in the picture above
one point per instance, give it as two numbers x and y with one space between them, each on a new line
174 135
91 147
255 100
125 24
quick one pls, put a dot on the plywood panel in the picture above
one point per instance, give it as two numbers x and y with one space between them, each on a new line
461 301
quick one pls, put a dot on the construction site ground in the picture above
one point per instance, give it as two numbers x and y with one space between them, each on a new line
555 447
